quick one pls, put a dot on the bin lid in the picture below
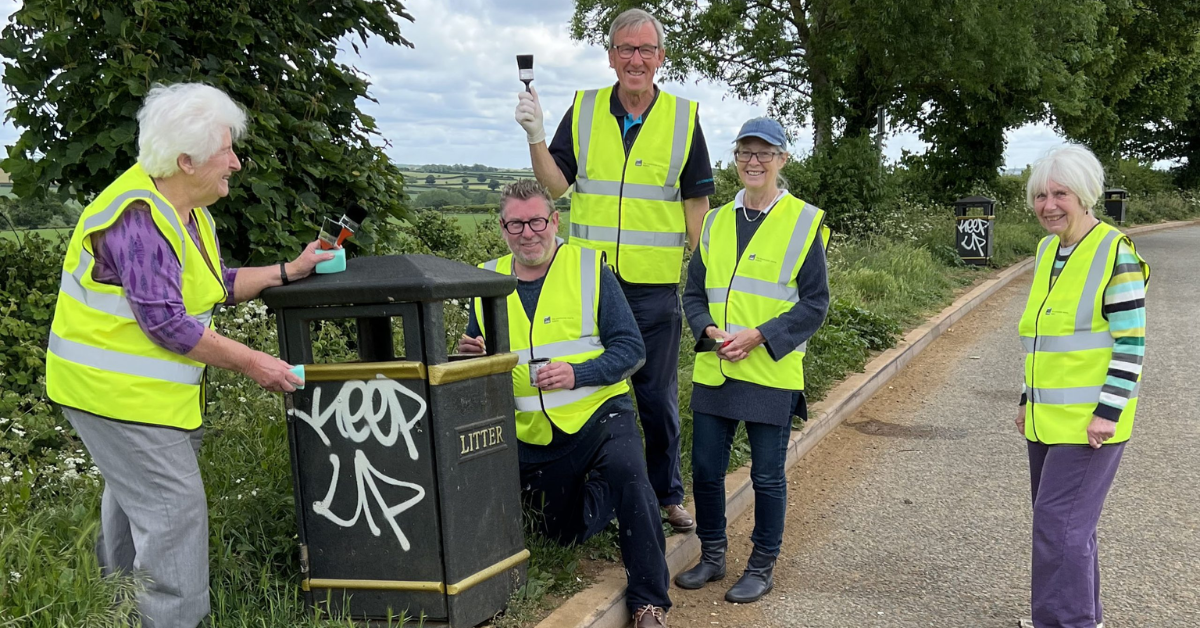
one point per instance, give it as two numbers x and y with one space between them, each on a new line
975 200
391 279
1116 192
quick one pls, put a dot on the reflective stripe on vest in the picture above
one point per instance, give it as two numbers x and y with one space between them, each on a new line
748 290
630 205
1068 342
563 329
96 345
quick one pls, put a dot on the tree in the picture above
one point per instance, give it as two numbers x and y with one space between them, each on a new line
494 184
840 63
77 72
430 180
440 198
1139 95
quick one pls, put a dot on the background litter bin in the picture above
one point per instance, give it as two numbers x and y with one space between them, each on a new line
404 463
975 218
1115 201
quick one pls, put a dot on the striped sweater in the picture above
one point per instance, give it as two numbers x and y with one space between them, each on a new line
1125 309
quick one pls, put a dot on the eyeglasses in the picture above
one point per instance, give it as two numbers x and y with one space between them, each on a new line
517 227
626 52
764 156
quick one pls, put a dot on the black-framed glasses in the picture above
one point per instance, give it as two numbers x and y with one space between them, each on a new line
764 156
626 51
517 227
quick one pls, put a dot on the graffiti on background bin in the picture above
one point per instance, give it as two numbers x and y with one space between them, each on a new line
971 232
380 416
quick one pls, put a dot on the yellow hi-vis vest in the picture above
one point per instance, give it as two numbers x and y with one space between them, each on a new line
630 206
99 359
747 291
1067 341
564 329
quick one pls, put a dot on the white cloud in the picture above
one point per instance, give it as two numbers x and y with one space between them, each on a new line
451 98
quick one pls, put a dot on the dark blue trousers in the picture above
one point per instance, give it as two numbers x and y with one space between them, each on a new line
712 438
574 498
656 384
1069 484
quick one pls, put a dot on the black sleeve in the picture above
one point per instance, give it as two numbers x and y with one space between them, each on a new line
472 324
562 147
695 298
696 180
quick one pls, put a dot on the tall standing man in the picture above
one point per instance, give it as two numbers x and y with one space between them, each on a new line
642 180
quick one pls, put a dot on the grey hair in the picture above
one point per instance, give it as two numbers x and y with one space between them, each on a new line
185 119
523 190
780 181
634 18
1071 166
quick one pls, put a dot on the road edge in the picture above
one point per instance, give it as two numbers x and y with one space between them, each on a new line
602 605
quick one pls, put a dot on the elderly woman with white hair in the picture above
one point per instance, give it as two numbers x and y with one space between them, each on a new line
1084 330
132 335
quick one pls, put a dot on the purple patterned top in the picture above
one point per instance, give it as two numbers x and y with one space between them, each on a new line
133 254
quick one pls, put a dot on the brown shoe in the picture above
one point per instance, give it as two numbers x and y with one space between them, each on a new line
649 617
679 518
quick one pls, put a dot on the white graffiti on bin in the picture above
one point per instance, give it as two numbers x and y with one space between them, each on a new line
972 231
381 415
388 393
365 476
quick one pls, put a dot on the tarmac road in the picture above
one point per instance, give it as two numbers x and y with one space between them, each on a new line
916 513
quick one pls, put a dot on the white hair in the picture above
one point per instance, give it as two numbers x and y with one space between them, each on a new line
634 18
1071 166
185 119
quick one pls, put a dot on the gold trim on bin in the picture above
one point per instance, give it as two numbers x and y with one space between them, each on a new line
459 370
432 587
363 371
498 568
372 585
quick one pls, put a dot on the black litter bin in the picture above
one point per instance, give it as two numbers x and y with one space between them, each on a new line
1115 201
975 218
404 466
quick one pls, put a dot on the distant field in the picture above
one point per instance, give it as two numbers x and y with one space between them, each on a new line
416 182
49 234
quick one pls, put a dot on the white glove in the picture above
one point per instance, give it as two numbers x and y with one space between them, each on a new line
529 116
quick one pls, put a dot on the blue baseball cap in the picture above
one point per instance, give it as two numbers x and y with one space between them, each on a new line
764 129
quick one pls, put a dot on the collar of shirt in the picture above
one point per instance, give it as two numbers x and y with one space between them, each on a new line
739 202
618 110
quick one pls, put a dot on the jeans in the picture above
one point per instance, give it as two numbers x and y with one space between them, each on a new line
656 385
712 439
575 497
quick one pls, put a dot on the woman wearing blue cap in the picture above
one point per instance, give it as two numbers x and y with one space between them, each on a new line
756 292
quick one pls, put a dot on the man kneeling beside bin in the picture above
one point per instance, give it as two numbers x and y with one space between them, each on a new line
580 451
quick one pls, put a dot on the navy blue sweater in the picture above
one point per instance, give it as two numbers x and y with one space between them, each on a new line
744 401
624 353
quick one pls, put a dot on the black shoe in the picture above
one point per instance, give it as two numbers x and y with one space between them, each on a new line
756 581
711 568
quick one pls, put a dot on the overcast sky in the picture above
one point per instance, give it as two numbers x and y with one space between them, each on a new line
451 98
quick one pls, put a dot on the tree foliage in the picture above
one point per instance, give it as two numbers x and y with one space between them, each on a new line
78 70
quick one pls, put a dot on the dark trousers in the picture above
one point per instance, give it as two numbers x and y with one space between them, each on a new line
656 385
574 498
1069 484
712 439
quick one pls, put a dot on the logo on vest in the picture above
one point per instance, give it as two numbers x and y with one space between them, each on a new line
752 256
546 321
638 162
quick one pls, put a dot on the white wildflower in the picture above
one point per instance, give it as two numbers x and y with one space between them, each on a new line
14 576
